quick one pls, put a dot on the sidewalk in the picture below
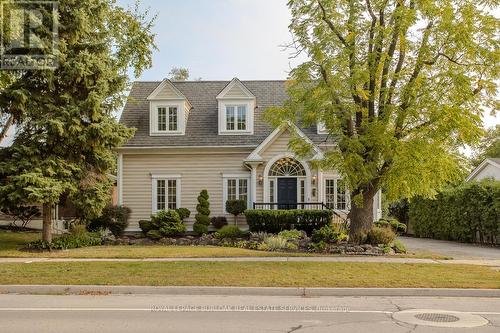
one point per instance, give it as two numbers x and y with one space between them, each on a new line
480 262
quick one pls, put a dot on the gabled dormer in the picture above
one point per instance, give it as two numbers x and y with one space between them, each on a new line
168 110
236 109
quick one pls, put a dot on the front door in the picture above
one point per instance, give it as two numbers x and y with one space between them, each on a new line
287 193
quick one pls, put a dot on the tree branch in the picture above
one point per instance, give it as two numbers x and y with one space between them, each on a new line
331 25
409 86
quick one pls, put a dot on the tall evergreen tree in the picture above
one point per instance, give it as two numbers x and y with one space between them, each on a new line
399 84
67 132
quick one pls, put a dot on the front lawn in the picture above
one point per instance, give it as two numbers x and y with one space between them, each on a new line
252 274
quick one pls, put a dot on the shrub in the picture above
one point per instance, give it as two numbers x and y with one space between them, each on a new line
399 247
274 221
200 229
236 207
467 213
184 213
203 208
293 234
378 235
397 227
114 218
230 231
154 234
145 226
218 221
328 235
168 223
276 243
70 241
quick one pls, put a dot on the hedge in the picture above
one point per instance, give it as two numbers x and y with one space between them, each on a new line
467 213
274 221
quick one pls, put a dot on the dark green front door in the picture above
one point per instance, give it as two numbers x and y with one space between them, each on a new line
287 193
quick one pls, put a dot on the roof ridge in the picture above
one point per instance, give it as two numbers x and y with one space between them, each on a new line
203 81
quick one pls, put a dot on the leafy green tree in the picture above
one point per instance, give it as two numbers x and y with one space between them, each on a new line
179 74
236 207
488 147
399 85
67 132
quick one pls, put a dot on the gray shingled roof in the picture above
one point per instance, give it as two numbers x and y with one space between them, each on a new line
202 123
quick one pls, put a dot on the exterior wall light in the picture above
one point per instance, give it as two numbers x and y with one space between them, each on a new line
261 179
314 178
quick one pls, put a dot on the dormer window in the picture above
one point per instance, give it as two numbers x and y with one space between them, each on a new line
236 109
170 122
169 110
236 117
167 118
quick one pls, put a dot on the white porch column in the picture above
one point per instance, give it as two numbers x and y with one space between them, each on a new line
253 180
119 182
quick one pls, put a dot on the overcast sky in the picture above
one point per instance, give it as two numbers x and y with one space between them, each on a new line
222 39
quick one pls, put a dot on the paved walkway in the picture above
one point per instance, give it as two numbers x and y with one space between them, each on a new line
491 263
455 250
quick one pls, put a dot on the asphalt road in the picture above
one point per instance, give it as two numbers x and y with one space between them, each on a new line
162 313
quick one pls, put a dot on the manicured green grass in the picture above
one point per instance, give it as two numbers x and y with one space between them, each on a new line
252 274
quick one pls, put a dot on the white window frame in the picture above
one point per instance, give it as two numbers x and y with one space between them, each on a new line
236 177
154 190
155 105
249 105
335 203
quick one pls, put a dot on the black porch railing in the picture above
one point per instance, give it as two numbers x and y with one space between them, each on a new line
287 206
301 205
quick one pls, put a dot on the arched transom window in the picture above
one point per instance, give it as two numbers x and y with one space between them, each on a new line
287 167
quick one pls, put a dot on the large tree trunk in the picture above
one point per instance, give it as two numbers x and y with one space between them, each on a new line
361 217
47 222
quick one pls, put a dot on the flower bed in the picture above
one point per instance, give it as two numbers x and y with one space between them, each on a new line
255 241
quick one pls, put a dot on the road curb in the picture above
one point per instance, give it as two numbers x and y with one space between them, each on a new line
244 291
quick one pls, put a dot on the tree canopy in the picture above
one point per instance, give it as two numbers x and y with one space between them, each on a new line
179 74
66 130
488 147
399 86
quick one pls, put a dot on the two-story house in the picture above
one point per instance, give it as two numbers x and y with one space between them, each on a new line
195 135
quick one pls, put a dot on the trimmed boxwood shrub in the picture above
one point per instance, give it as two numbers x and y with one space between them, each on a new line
203 208
274 221
219 221
114 218
467 213
200 229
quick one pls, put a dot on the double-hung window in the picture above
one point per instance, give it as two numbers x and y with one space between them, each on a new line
166 193
236 189
168 118
336 195
236 118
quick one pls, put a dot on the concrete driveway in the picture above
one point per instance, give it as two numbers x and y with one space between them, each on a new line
452 249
